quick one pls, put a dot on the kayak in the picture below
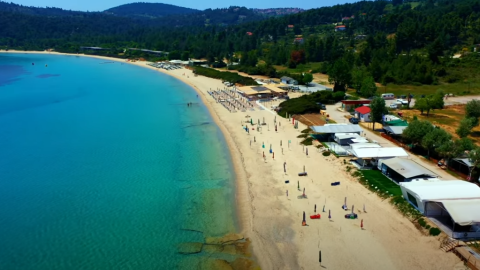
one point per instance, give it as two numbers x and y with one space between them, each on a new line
317 216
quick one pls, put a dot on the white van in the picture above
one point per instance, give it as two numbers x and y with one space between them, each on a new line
388 96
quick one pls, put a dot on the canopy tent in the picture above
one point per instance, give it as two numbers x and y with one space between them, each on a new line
459 198
337 128
407 168
381 152
359 145
399 122
463 212
396 130
464 161
360 140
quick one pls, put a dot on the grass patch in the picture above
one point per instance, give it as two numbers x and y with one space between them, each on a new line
457 88
300 68
377 179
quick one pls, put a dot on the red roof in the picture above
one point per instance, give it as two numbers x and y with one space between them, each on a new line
363 110
340 26
290 26
249 33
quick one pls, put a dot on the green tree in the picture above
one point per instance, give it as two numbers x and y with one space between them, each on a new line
185 56
416 130
377 110
453 148
422 105
307 78
175 55
474 158
435 138
369 88
340 75
437 101
358 75
465 127
472 110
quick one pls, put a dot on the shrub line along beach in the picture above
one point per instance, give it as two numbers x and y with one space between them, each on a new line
270 209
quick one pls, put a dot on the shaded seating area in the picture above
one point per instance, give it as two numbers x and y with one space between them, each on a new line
404 170
453 205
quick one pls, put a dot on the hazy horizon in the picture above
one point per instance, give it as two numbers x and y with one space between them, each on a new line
91 5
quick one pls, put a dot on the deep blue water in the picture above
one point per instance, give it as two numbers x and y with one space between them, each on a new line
103 166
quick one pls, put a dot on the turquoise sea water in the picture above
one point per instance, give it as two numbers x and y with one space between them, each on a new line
103 166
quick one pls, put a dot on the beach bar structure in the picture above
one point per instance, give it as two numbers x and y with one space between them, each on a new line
261 91
453 205
371 154
404 170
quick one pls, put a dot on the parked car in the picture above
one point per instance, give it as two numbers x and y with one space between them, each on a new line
401 101
393 106
322 106
353 120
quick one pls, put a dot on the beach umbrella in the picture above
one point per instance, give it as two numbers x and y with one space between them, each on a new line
329 215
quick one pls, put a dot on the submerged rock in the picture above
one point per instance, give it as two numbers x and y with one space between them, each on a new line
229 238
189 248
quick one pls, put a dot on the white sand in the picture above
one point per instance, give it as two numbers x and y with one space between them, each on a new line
273 221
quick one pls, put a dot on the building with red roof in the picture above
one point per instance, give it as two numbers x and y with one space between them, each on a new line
363 113
340 28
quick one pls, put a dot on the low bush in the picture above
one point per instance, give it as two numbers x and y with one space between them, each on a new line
302 136
307 130
428 227
307 141
434 231
422 222
326 153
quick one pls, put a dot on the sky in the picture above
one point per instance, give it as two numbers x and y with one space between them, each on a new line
95 5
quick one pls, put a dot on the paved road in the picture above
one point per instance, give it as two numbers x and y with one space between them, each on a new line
460 100
339 117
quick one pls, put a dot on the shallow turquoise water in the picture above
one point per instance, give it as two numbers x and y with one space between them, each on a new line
103 166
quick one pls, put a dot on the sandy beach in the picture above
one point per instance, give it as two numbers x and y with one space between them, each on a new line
273 221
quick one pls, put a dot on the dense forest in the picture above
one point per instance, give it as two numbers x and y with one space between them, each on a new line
357 44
